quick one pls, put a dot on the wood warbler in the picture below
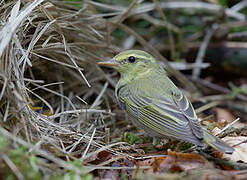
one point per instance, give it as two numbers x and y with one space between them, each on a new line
155 104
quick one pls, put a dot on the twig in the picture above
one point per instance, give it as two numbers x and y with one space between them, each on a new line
6 113
14 21
89 143
61 119
239 143
12 166
241 5
199 59
45 85
81 100
56 93
76 66
42 99
218 88
192 5
170 36
34 40
207 106
66 48
95 103
187 66
237 35
238 106
109 167
125 14
4 85
158 22
147 7
106 147
74 145
64 150
227 126
55 61
220 162
107 135
151 156
80 111
232 44
109 79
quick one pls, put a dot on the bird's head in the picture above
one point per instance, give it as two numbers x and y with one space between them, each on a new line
131 61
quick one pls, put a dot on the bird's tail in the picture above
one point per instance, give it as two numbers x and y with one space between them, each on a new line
217 143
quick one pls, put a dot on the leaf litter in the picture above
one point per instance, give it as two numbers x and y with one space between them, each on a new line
54 98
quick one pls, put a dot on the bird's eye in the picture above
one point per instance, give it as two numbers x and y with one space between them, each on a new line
131 59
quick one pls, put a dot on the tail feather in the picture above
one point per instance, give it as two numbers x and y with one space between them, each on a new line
217 143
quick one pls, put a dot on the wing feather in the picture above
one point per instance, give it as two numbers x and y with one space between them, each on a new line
188 111
160 114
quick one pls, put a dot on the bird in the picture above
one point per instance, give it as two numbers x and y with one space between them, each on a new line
155 104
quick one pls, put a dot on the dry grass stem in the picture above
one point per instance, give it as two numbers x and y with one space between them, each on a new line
58 105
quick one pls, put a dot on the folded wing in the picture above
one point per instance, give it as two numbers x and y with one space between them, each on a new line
167 115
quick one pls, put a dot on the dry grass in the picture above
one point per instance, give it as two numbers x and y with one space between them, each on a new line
48 58
54 97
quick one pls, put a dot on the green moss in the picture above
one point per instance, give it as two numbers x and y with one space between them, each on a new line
29 165
131 138
237 90
26 163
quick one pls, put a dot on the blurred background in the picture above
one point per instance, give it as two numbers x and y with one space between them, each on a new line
57 106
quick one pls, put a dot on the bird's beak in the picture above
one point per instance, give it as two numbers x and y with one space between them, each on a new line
109 63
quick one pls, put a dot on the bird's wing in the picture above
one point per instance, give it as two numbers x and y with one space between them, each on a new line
173 116
184 105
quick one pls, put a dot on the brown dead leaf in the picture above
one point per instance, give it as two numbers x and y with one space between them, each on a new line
215 131
206 122
180 162
240 153
148 162
98 158
117 173
109 174
223 115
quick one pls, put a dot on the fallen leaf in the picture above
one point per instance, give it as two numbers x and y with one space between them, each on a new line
98 158
223 114
240 153
109 174
147 162
239 125
118 173
180 162
215 131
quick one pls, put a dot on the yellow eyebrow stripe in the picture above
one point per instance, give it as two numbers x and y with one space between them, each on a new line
135 55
